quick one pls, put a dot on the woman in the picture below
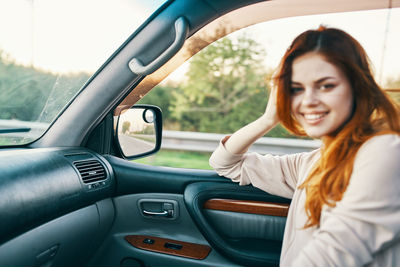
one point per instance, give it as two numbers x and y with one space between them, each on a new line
345 208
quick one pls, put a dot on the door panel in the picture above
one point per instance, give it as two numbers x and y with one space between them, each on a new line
169 246
248 206
140 178
130 224
241 231
237 223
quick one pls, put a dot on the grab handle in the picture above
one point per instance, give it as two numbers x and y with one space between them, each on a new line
181 31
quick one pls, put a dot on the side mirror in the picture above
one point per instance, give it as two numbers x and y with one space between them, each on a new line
139 131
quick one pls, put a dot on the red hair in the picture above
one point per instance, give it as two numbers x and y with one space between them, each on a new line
373 114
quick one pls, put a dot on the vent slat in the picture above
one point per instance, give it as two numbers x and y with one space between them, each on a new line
92 173
90 170
92 180
87 165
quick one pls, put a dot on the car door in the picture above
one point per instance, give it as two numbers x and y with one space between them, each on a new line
213 223
180 217
139 214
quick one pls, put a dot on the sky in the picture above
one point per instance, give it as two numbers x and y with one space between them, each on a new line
76 35
71 35
371 33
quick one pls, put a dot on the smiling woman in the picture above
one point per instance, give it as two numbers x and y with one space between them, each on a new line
322 99
344 210
199 95
73 197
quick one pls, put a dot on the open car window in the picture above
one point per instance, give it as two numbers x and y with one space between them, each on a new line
225 85
49 49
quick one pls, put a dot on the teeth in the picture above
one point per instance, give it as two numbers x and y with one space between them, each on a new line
313 116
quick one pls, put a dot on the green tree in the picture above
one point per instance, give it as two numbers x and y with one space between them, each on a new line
226 88
30 94
125 126
162 97
220 79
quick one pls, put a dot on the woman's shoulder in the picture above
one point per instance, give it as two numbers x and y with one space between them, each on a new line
379 156
376 171
383 143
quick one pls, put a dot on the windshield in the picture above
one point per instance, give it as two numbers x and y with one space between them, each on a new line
49 49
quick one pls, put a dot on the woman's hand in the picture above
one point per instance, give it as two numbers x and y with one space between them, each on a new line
241 140
270 115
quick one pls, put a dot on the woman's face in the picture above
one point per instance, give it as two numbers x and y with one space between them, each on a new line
321 95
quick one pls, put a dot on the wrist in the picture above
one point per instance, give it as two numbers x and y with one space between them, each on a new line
266 123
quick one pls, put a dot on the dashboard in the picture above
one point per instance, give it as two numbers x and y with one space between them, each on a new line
53 201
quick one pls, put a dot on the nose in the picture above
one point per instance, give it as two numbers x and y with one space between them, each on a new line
310 98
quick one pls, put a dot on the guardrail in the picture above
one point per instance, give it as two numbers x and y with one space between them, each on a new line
189 141
208 142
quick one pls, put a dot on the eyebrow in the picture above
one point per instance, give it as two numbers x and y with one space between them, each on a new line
317 81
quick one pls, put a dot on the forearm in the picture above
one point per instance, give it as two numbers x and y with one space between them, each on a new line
242 139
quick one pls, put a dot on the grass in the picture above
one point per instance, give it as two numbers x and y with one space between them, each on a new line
178 159
9 141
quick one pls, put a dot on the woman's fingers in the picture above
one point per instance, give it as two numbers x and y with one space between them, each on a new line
270 110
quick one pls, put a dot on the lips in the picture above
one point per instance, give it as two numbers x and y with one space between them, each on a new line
314 117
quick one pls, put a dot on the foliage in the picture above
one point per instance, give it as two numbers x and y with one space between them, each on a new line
125 126
162 97
178 159
29 94
225 88
220 80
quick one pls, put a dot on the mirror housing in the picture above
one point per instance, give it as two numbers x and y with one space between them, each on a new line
139 130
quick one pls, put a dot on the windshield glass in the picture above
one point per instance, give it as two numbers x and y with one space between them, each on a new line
49 49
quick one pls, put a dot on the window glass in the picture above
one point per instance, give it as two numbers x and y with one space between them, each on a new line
390 74
49 49
225 86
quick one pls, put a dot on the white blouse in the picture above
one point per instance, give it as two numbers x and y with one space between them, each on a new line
363 229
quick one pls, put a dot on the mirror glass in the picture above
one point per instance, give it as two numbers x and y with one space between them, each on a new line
148 116
136 131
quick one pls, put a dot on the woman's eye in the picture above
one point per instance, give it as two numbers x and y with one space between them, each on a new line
327 86
295 90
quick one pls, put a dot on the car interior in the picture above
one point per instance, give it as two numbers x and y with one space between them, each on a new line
73 197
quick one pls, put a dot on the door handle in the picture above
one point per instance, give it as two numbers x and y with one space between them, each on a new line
159 208
164 213
181 31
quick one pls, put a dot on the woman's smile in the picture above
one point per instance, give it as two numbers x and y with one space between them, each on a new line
321 99
314 118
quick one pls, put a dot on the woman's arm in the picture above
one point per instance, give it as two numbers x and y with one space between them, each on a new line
242 139
276 175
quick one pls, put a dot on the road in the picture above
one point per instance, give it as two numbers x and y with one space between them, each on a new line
134 146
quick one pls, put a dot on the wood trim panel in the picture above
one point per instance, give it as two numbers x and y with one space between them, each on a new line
248 206
163 245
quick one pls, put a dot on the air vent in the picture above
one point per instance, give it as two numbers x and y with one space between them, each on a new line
90 170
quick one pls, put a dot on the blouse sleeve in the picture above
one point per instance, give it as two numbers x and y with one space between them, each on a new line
367 219
277 175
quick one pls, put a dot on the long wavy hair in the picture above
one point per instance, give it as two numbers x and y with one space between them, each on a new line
373 114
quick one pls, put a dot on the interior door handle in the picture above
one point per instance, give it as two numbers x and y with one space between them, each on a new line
181 31
159 208
164 213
